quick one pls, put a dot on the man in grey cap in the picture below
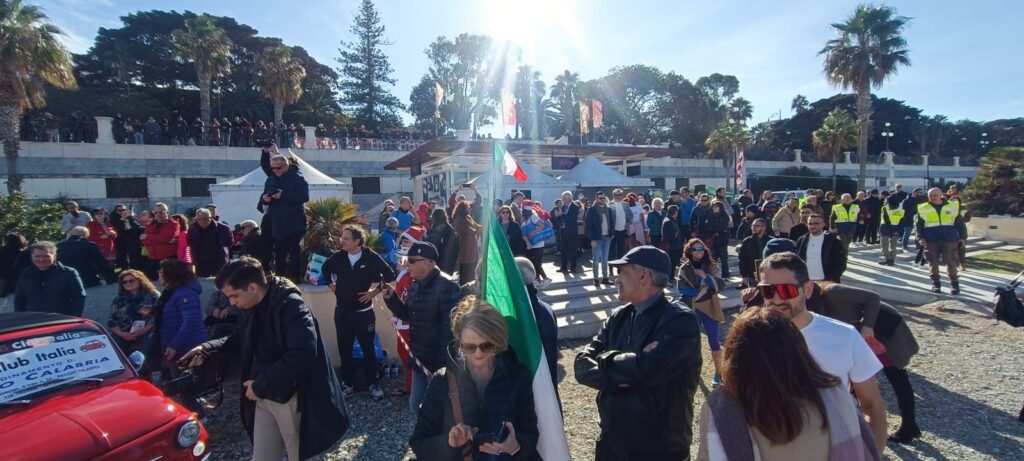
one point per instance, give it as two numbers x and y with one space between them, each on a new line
647 351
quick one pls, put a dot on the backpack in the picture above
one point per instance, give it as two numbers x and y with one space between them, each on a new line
1008 307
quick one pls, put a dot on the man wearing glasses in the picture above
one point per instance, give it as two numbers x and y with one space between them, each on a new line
837 347
622 217
129 251
428 312
285 194
824 253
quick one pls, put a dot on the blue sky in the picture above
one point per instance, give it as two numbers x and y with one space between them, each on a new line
966 57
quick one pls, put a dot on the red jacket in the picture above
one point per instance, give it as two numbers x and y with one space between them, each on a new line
158 240
96 235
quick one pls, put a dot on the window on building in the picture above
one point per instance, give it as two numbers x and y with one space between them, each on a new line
196 187
127 188
680 182
366 185
659 183
633 170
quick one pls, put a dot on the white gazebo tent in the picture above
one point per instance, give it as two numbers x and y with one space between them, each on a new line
591 173
236 198
541 186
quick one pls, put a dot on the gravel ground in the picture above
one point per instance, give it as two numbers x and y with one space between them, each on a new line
968 380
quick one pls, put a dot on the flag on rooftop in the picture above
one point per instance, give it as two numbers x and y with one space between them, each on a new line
508 164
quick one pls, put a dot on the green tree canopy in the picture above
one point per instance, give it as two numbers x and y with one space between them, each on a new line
280 78
999 186
366 70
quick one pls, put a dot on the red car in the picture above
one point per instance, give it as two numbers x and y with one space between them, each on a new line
68 393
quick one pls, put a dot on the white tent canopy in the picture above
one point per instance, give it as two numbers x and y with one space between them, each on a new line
591 172
236 198
541 186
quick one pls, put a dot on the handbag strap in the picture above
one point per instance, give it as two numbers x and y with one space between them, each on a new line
453 395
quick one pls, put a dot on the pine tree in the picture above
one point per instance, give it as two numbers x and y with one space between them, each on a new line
365 70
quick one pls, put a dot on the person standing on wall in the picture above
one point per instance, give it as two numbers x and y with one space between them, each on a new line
285 194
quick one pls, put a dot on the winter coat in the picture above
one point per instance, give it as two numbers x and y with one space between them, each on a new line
86 258
514 234
428 313
300 364
443 237
12 262
287 214
224 240
592 225
547 327
785 219
57 289
159 238
654 411
508 397
97 235
751 250
697 217
469 237
701 294
180 319
671 235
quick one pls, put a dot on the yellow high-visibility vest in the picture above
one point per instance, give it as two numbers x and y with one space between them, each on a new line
895 216
843 216
926 213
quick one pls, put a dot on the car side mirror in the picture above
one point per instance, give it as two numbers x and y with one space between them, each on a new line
137 358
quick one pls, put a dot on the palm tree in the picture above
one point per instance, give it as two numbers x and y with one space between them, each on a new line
280 78
204 43
869 49
799 104
740 110
528 90
727 140
31 57
838 131
565 91
325 218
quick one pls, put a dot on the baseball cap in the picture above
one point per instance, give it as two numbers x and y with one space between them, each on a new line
646 256
424 250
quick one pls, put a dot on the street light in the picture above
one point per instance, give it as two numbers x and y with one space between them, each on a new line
887 135
984 142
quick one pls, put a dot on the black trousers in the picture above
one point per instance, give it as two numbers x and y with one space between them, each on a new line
612 450
570 241
467 273
618 247
209 268
900 381
536 256
288 257
872 231
351 325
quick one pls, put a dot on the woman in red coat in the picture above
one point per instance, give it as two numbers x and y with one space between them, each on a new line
101 232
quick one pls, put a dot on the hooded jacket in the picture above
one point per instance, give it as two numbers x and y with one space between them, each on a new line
299 364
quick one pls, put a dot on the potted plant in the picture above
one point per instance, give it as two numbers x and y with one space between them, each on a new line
325 219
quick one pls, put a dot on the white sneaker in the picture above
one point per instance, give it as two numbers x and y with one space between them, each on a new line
376 392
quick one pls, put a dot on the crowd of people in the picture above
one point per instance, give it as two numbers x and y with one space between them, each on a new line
782 379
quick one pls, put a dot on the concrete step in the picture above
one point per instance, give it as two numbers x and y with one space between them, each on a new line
586 289
583 317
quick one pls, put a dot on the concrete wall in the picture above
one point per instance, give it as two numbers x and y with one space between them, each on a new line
1004 229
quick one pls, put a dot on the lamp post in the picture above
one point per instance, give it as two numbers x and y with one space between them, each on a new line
887 135
984 143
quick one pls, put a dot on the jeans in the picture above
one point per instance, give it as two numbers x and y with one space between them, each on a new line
600 256
710 329
225 139
419 389
906 236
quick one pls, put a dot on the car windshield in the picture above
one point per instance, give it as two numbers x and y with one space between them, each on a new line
33 365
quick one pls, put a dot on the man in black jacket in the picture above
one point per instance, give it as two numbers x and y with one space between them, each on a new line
428 311
128 229
285 194
350 274
750 251
824 253
49 286
645 363
290 397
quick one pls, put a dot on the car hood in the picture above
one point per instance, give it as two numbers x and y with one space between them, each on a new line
87 423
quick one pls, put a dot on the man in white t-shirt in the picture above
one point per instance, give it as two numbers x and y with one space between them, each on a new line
837 347
823 251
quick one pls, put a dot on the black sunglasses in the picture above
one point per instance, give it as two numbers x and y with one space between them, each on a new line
470 348
786 291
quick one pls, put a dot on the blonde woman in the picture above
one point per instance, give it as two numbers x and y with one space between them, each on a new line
494 395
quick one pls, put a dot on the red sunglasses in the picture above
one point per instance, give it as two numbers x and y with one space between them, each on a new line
785 291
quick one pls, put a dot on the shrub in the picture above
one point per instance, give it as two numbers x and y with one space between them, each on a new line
36 223
999 186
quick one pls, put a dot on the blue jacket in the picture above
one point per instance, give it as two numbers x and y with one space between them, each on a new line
181 321
685 209
287 215
57 290
389 242
404 218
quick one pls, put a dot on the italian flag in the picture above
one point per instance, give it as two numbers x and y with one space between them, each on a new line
509 166
502 287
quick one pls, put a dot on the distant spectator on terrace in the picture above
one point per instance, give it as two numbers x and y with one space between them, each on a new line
73 217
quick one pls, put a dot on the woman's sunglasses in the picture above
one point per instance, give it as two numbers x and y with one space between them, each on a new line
470 348
697 250
785 291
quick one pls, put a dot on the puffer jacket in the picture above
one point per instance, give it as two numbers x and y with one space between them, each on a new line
508 397
181 319
428 312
